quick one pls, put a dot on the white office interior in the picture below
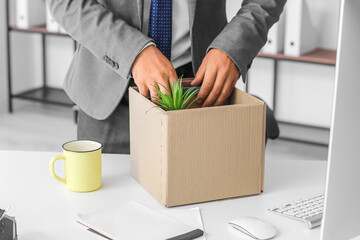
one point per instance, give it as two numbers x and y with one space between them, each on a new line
316 82
304 106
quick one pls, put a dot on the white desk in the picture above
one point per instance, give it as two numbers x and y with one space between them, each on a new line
44 209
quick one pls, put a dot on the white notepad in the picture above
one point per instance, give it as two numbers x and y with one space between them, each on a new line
135 221
191 216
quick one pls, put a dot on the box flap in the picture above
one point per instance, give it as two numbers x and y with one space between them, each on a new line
240 97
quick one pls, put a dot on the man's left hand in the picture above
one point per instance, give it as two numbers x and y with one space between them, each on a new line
218 74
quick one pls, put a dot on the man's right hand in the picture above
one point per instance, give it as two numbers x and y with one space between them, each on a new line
149 69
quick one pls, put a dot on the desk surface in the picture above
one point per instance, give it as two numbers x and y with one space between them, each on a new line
44 209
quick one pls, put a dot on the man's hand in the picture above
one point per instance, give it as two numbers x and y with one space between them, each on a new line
218 75
149 69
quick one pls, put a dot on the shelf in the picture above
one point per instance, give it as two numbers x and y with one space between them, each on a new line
46 95
319 56
39 29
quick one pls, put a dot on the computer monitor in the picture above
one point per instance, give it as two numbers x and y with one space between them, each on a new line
341 218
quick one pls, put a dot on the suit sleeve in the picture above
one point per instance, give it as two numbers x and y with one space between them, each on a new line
243 37
102 33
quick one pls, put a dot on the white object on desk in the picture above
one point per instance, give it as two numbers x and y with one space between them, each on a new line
27 186
191 216
254 227
342 196
134 221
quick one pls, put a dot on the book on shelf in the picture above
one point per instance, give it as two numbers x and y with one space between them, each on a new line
300 35
276 35
30 13
51 24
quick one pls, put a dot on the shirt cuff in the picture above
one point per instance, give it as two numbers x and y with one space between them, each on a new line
147 45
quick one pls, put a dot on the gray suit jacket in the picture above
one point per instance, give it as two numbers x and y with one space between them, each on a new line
109 36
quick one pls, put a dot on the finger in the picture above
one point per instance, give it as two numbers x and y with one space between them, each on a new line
207 85
164 83
154 96
153 92
173 76
216 90
226 92
143 89
199 75
234 84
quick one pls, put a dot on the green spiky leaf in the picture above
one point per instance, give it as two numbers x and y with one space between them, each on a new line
176 98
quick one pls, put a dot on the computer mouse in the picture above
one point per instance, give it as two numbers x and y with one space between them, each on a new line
254 227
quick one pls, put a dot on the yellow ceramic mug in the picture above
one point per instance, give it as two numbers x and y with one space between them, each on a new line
82 160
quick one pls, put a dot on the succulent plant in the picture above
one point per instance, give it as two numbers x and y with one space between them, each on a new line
176 98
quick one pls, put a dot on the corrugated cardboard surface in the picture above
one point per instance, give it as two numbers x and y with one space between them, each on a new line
198 155
146 143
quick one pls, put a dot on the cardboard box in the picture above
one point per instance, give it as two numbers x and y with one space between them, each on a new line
200 154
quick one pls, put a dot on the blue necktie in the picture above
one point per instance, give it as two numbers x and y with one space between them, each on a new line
160 24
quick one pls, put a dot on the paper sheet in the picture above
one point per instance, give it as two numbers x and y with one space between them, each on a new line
190 216
134 221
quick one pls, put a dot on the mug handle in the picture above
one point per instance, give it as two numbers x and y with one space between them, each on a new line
52 171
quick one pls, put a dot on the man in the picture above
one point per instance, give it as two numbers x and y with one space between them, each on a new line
121 40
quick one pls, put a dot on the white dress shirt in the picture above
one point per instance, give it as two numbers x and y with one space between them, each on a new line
180 41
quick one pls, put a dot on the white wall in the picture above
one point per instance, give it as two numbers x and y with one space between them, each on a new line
305 91
60 51
27 52
26 59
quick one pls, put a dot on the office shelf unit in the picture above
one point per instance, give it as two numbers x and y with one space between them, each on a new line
318 56
43 94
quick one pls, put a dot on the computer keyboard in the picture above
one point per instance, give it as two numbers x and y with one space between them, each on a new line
308 210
